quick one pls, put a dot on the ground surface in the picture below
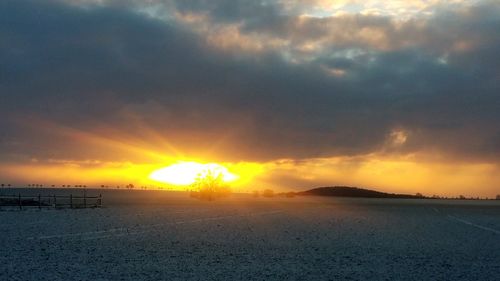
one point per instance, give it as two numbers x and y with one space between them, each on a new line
168 236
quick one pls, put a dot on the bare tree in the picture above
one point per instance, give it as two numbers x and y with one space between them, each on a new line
268 193
209 186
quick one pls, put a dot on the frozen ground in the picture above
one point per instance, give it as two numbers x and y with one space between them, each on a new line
168 236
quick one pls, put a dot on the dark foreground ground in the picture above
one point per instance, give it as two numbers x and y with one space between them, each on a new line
143 235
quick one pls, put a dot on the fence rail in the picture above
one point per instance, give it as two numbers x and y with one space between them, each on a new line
51 201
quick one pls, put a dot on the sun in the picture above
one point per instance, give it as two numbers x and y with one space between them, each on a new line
186 173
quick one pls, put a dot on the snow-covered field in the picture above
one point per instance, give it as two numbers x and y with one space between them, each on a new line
154 235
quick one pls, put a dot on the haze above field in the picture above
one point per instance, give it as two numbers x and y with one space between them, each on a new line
285 94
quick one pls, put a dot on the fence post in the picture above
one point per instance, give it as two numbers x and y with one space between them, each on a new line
39 202
84 198
55 203
20 202
71 201
100 200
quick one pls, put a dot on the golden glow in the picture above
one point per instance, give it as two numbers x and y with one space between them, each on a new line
146 155
385 173
186 173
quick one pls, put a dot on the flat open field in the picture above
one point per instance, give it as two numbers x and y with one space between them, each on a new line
155 235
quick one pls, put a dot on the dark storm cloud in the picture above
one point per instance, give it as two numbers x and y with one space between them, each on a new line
108 69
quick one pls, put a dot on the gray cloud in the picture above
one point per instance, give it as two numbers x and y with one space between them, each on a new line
113 71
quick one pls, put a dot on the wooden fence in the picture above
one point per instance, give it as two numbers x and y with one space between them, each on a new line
51 201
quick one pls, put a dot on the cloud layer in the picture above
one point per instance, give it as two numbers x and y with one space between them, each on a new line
254 81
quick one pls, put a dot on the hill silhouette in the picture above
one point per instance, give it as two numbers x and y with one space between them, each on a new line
347 191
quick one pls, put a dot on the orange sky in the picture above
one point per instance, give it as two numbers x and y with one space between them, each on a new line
411 173
398 96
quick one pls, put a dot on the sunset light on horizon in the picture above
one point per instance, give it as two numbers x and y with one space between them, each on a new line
398 96
186 173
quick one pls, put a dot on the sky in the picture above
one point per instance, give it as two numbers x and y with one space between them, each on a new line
399 96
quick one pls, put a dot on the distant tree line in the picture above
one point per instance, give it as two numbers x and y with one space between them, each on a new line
38 185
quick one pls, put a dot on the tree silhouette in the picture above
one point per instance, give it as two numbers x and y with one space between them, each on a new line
209 185
268 193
